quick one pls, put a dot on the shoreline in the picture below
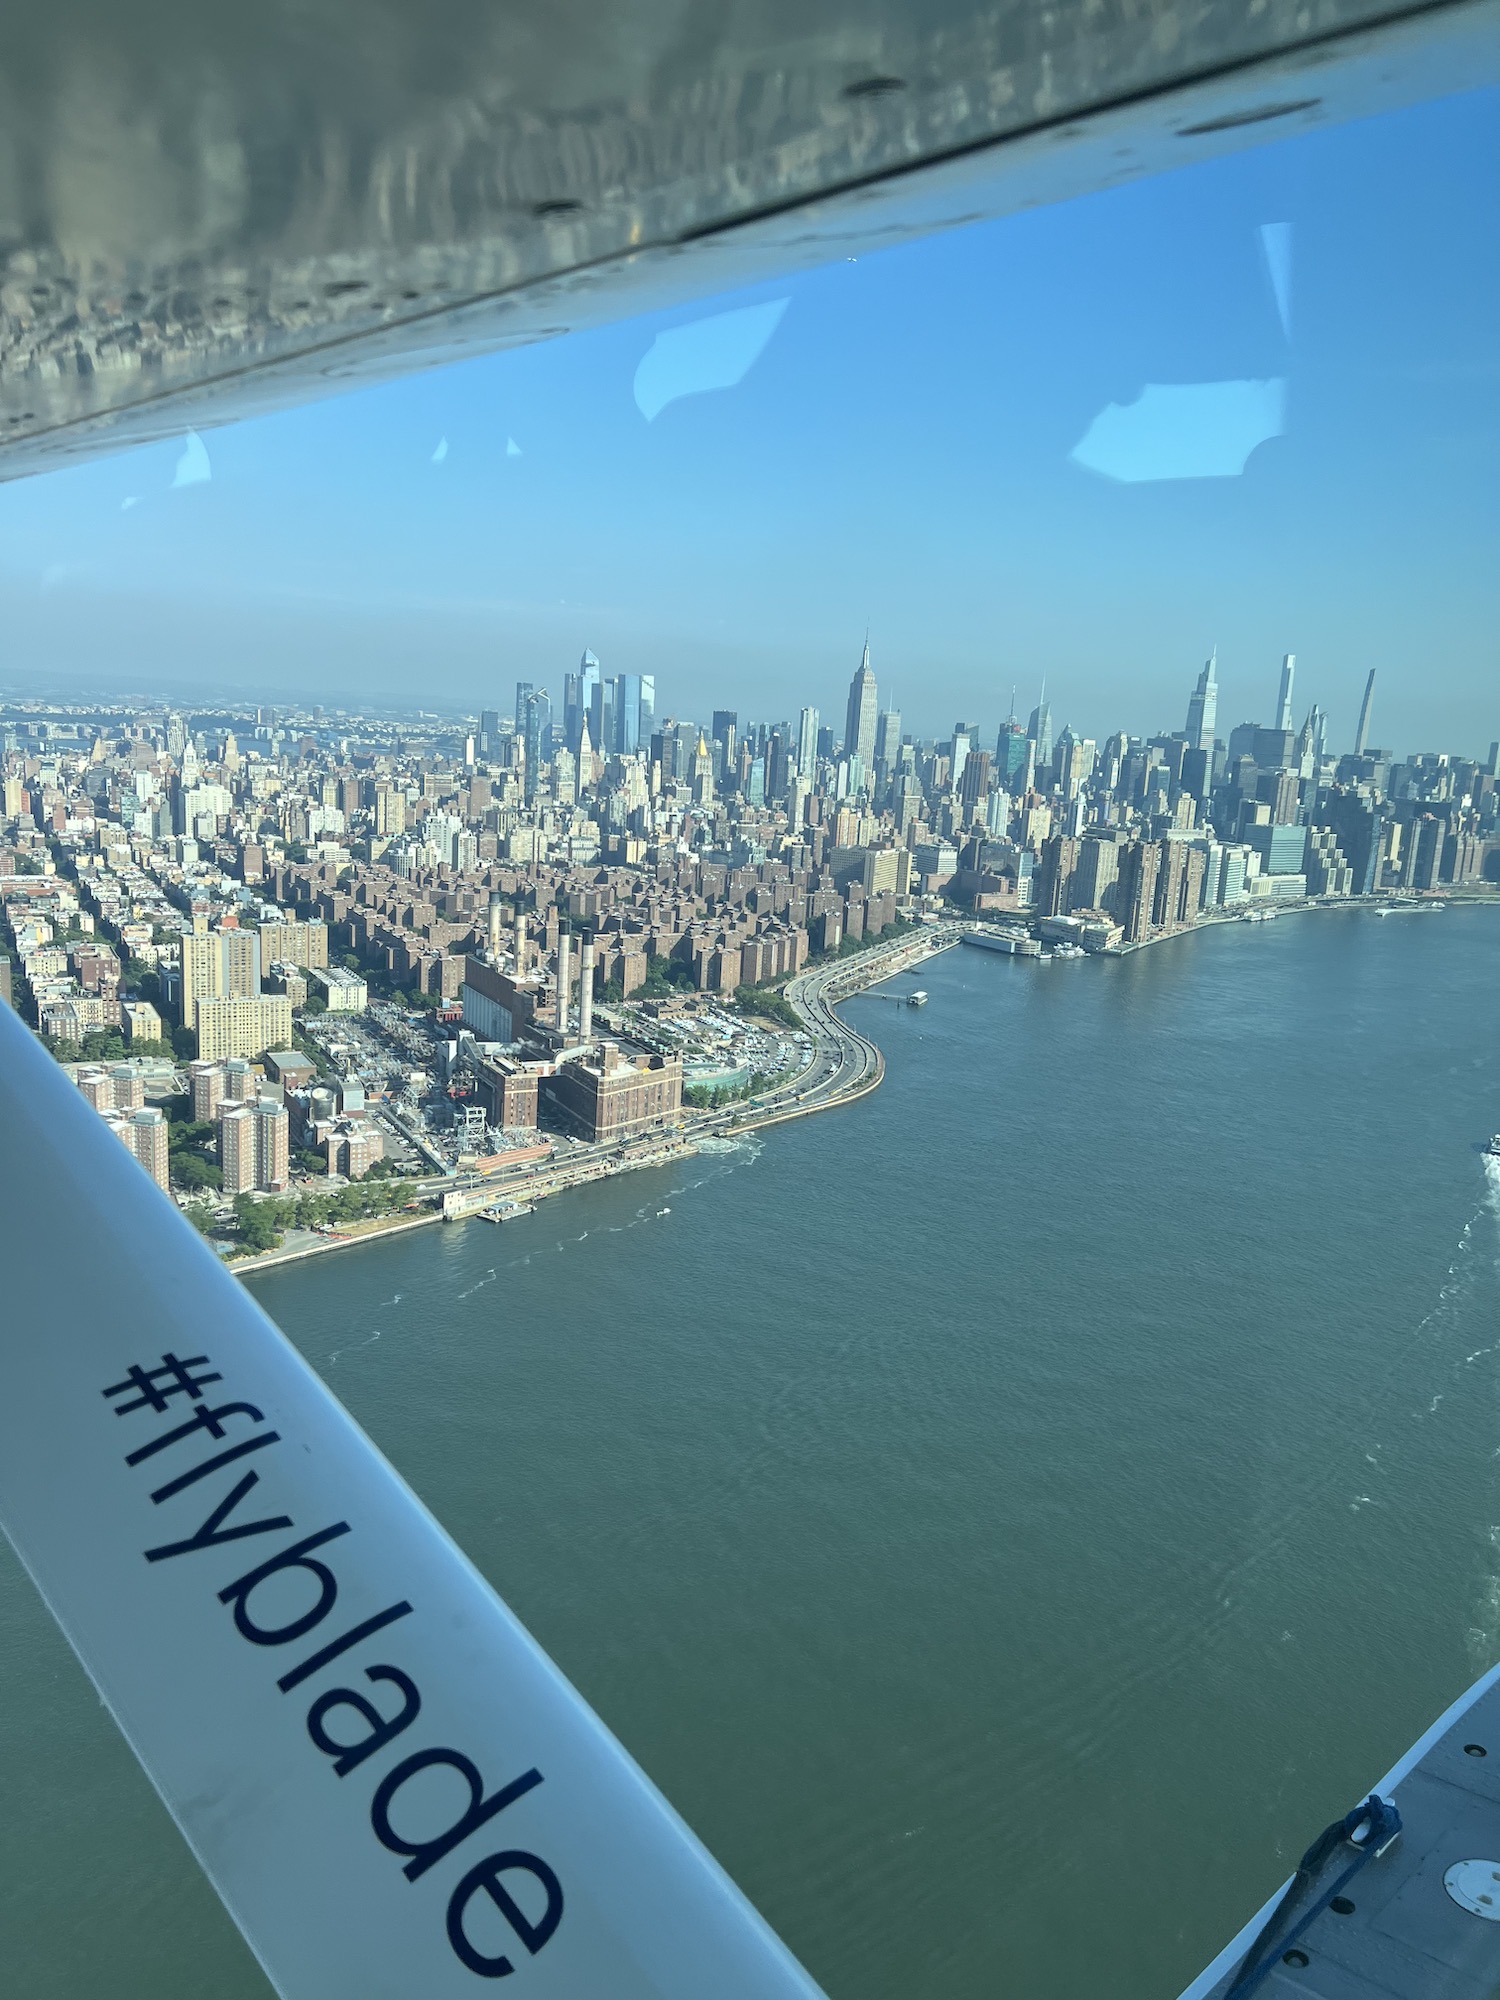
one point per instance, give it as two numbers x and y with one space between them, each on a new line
844 981
1313 906
269 1259
908 953
559 1180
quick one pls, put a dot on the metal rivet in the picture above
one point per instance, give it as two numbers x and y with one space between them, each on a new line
1342 1907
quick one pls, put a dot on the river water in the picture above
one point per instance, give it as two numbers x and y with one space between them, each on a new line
1008 1516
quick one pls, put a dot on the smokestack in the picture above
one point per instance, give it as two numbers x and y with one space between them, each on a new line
564 969
520 944
1362 734
586 992
495 928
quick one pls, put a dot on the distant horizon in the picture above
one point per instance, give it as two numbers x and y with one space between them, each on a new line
228 698
1250 403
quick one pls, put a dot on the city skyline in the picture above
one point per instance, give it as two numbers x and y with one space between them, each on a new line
1208 709
276 898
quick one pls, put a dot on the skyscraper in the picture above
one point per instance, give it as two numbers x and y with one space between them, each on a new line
523 695
863 715
888 736
536 731
627 714
807 742
1010 752
1362 734
578 699
1039 731
958 753
216 963
1203 706
1284 703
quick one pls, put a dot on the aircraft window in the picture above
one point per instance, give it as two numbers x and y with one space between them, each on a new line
978 1505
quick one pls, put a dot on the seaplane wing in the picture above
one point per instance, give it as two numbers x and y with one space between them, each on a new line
393 1789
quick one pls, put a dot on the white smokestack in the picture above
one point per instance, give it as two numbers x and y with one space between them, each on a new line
564 969
520 944
495 927
586 991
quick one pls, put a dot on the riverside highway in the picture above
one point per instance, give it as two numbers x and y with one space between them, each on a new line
845 1064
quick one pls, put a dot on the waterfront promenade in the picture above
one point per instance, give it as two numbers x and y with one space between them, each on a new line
845 1066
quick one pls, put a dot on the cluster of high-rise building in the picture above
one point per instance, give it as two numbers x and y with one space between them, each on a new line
217 879
117 1092
1151 835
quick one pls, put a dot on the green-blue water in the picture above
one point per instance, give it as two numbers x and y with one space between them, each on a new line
1007 1517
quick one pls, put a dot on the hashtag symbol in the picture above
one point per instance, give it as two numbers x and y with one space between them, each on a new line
155 1385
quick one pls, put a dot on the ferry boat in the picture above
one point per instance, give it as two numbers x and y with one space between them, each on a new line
1492 1150
917 999
1016 943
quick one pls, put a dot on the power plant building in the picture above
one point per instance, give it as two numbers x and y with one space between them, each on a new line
496 1006
609 1098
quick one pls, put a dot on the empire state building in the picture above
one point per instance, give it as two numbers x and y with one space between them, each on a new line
860 725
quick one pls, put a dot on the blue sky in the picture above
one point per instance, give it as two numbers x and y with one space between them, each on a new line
901 453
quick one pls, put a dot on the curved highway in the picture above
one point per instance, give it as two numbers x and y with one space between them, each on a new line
845 1063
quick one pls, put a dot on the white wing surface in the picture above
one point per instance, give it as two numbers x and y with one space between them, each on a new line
396 1793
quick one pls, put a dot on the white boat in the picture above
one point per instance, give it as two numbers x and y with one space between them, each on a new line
1492 1150
917 999
1015 943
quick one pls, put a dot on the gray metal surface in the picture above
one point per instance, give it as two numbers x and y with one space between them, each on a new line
210 210
1405 1936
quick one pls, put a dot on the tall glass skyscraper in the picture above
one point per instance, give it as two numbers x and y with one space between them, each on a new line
1203 706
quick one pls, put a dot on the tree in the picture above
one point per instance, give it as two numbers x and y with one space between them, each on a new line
144 980
259 1223
191 1170
665 976
186 1130
771 1005
202 1217
103 1045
